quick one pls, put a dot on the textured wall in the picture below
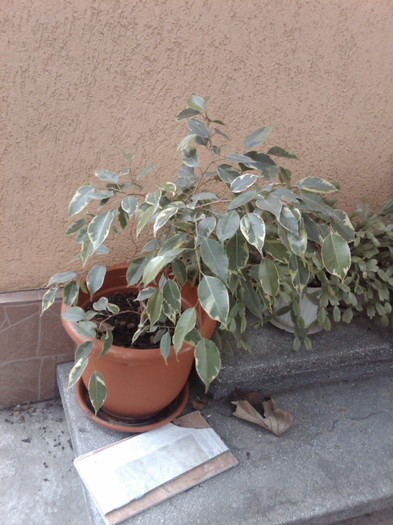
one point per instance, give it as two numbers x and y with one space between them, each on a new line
84 80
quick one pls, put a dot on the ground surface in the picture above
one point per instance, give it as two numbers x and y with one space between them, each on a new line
38 483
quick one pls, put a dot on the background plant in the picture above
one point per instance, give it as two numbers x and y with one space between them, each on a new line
235 224
368 285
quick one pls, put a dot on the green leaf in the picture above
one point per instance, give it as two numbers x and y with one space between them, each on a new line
165 346
251 300
242 199
186 142
76 226
48 299
163 217
198 128
197 103
206 226
271 204
102 195
83 350
190 157
153 267
228 225
299 272
227 173
107 341
185 324
95 279
268 275
187 113
213 296
77 370
71 293
73 314
257 137
288 220
86 328
253 228
135 270
243 182
81 199
172 295
298 243
99 228
276 249
281 152
207 361
214 256
316 185
237 252
107 176
87 249
154 306
62 277
97 390
145 217
180 271
101 304
146 170
129 205
336 255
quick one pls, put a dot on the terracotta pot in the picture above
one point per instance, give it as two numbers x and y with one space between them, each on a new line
308 310
138 381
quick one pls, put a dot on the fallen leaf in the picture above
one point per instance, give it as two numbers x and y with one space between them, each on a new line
199 403
256 399
274 419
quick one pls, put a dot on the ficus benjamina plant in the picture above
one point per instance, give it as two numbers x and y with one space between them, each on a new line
232 222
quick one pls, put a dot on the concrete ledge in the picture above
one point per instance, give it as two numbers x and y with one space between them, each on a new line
334 463
357 350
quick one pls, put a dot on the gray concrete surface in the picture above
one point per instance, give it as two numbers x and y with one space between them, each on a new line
357 350
38 482
335 463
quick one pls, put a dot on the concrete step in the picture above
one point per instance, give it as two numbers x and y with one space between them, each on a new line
334 463
357 350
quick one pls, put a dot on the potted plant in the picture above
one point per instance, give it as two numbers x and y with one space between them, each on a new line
368 285
231 228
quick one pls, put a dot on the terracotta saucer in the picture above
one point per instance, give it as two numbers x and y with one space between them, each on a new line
168 414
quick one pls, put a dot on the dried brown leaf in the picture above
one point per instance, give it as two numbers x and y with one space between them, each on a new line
199 403
274 419
256 399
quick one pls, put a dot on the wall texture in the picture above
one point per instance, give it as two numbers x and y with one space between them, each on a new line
84 80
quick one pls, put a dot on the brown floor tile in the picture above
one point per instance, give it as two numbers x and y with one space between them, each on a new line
20 340
48 387
53 338
19 381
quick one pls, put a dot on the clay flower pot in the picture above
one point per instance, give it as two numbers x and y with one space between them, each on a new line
139 382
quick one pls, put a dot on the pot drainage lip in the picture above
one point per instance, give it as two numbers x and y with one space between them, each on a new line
167 414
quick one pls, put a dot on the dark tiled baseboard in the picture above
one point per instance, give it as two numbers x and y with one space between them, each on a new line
30 348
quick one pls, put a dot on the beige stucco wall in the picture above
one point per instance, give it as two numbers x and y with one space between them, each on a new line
84 80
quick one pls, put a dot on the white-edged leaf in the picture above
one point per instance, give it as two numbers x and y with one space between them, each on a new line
73 314
186 142
228 225
71 293
165 346
213 296
48 299
237 252
243 182
253 228
268 276
198 128
76 226
86 328
99 228
214 256
154 306
77 371
95 278
197 103
97 390
288 220
185 324
163 217
62 277
129 205
336 255
107 341
101 304
316 185
153 267
107 176
281 152
81 199
207 361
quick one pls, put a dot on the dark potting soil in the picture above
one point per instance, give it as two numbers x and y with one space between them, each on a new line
126 322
